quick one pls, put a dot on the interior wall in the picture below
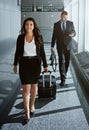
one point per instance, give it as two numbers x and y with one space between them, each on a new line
45 21
10 22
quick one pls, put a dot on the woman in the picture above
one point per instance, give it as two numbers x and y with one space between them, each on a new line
29 52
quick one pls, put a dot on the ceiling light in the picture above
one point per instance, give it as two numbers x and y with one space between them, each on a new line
50 4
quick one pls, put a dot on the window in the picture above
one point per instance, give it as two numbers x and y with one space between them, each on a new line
87 25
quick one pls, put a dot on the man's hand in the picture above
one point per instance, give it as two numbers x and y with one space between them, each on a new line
15 69
71 35
52 49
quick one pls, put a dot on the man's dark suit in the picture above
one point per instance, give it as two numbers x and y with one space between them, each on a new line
64 45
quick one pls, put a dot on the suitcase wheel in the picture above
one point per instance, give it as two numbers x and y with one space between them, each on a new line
54 97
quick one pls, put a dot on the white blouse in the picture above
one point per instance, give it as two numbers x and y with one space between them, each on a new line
29 48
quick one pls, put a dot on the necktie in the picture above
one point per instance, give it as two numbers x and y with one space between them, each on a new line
63 26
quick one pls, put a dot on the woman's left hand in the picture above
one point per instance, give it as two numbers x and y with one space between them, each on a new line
46 69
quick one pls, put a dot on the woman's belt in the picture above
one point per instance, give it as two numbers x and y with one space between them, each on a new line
30 57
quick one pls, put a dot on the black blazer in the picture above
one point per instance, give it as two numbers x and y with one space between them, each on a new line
20 50
60 38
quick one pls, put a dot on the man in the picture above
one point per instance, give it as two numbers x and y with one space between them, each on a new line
62 35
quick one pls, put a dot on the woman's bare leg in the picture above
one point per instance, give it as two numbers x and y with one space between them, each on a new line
26 96
33 91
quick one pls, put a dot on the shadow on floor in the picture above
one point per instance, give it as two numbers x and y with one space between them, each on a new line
39 103
7 97
14 118
19 117
7 89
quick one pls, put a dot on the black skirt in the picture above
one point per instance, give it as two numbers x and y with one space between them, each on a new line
29 70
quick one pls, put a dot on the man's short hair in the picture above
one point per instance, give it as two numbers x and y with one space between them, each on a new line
64 12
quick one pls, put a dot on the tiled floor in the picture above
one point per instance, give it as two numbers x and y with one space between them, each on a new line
63 113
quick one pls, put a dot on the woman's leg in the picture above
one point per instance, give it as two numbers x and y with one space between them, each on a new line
33 91
26 96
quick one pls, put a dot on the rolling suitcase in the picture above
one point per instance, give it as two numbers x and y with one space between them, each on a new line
47 85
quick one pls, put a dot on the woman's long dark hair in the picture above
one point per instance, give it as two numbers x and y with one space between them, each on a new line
36 31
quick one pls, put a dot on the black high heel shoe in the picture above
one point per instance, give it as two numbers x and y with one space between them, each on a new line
25 121
32 113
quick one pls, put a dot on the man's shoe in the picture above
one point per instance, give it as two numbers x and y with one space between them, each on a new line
62 83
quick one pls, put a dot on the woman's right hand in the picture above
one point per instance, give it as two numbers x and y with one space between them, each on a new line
46 69
15 69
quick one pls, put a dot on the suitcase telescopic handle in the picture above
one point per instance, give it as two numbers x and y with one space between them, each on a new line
43 72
